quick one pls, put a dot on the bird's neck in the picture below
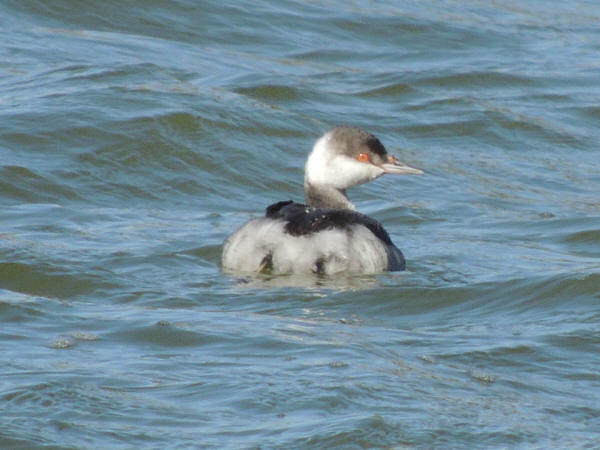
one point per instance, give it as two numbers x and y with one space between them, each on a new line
320 196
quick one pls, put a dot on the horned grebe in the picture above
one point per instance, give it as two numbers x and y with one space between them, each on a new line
327 235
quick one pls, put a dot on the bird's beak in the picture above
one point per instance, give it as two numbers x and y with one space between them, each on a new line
394 165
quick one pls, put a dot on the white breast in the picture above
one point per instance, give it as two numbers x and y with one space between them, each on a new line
355 249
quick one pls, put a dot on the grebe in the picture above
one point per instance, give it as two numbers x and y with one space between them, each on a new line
327 235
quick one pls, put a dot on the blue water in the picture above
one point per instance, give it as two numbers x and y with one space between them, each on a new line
135 137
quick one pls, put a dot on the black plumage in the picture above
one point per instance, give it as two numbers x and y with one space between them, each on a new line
302 220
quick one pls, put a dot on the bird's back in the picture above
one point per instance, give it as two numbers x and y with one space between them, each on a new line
295 238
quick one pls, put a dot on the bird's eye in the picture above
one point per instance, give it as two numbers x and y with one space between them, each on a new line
363 157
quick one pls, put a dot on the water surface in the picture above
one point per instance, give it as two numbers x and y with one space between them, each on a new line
134 138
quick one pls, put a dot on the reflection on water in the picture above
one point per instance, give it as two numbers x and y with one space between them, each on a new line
309 281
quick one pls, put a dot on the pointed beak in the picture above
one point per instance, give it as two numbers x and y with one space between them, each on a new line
394 165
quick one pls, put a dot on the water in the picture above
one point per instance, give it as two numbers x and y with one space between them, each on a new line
134 137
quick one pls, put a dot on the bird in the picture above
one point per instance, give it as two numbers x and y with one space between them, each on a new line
326 235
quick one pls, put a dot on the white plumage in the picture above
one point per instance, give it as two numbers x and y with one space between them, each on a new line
356 250
326 236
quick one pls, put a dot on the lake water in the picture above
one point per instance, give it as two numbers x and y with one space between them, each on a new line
136 136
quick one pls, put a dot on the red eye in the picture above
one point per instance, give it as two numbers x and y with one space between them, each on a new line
363 157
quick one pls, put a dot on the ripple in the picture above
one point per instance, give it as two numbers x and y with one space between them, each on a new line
485 80
166 335
136 136
585 237
388 90
25 185
272 92
46 280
